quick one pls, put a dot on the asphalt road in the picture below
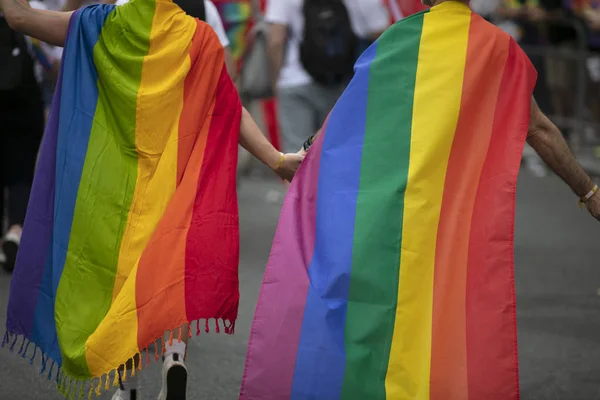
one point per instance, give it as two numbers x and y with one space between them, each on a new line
557 271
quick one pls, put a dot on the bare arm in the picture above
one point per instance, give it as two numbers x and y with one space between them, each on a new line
230 64
253 140
548 142
276 45
47 26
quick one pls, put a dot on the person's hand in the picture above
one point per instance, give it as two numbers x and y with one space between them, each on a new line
593 205
289 165
302 152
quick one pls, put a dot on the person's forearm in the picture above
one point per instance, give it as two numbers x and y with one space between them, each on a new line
253 140
230 64
47 26
72 5
15 12
552 148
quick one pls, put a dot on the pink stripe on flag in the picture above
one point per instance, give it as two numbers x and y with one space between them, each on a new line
287 289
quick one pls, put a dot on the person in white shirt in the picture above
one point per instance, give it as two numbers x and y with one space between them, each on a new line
303 104
370 18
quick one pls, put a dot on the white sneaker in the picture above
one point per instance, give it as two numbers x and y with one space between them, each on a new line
132 394
174 378
10 247
124 393
120 395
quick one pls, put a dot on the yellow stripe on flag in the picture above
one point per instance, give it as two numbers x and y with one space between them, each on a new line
438 87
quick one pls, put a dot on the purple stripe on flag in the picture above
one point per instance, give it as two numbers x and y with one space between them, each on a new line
27 278
40 213
285 286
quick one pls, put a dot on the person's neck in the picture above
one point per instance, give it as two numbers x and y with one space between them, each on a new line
438 2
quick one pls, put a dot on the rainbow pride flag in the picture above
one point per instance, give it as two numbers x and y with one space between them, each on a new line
391 273
132 227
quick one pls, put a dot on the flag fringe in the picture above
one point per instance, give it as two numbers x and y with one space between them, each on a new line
73 388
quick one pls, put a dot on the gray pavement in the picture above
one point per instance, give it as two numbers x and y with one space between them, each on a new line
557 275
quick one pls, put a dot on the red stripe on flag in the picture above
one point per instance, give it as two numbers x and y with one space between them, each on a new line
212 251
492 357
189 121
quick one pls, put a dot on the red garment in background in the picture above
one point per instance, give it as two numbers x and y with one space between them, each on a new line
403 8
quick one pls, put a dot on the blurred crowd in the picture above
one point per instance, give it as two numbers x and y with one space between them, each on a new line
566 28
275 53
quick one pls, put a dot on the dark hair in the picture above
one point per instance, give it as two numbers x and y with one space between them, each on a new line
193 8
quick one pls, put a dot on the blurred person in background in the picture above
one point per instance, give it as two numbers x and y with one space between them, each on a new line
308 77
559 68
511 16
237 18
24 62
514 17
589 12
400 9
370 18
486 8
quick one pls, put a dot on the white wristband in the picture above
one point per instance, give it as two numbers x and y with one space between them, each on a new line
588 196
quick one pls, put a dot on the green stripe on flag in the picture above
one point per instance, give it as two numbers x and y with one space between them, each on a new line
384 173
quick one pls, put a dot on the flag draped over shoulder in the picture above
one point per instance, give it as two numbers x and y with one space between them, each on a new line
391 273
132 227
